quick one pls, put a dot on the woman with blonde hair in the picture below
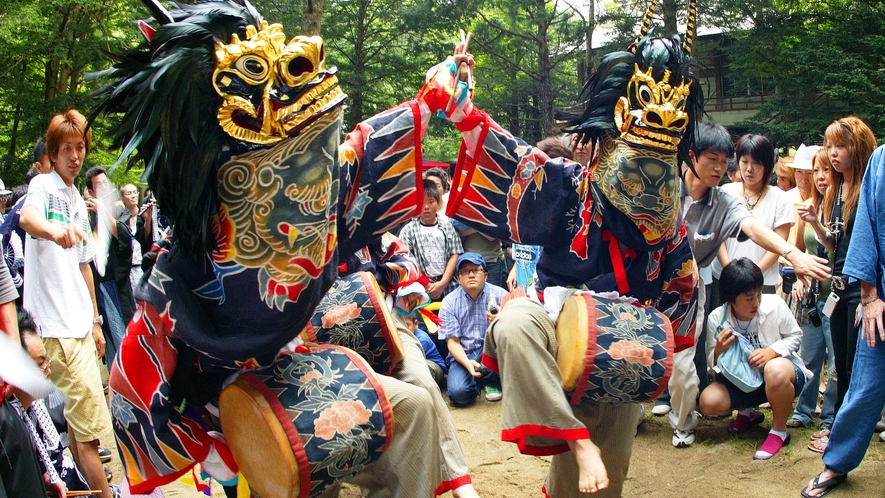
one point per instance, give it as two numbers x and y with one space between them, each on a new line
817 343
849 143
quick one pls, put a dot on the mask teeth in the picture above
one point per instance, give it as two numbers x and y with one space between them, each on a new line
646 24
690 28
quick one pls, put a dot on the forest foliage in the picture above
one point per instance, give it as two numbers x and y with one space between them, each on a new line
813 61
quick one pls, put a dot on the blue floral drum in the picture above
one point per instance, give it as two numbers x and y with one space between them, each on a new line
353 314
316 417
612 351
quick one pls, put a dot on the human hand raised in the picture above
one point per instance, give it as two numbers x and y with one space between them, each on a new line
808 213
807 265
448 88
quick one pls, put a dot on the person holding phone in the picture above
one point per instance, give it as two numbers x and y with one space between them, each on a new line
466 314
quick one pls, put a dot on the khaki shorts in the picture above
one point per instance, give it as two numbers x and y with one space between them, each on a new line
75 373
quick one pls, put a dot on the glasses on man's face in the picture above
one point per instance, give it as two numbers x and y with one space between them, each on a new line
45 365
467 273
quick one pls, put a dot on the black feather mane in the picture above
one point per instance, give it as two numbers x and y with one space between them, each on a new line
167 106
609 83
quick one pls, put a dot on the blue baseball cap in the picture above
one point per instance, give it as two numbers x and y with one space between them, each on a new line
470 257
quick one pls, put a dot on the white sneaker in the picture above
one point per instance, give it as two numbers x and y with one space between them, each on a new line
683 439
660 410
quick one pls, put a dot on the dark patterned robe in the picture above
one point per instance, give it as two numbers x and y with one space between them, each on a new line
198 321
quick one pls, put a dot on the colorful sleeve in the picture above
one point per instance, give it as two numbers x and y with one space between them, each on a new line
679 293
156 443
395 261
512 191
380 184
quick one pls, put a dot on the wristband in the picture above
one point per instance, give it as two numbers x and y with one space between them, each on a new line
870 301
787 251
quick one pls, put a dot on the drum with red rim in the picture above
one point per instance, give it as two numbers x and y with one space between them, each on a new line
316 417
612 351
354 314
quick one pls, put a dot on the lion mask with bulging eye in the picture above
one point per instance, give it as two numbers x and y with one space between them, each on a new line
653 112
272 89
218 93
643 106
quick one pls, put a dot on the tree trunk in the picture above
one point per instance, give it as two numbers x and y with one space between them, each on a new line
64 76
356 93
74 84
586 70
545 93
669 8
313 17
13 135
51 79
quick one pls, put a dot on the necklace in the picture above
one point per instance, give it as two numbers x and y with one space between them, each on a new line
758 196
743 328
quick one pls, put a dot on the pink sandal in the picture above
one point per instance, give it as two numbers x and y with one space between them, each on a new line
742 423
773 443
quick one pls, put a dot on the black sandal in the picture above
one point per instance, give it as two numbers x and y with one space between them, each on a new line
829 484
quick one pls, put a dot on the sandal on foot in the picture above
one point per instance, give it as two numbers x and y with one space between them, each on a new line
794 423
824 432
827 486
773 443
819 445
742 423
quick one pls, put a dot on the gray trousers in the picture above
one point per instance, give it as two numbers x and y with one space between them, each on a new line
535 410
414 370
406 469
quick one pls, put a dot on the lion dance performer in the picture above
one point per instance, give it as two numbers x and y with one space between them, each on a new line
239 131
611 227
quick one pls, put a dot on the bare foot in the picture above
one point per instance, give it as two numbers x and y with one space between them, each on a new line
465 491
592 476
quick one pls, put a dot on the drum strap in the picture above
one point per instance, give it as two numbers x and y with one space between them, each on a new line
614 251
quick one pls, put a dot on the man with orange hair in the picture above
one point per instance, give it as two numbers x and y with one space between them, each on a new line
61 295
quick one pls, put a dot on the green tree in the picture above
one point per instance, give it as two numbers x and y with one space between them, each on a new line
48 48
824 62
527 55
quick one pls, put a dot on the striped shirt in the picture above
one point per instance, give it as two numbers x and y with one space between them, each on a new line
464 318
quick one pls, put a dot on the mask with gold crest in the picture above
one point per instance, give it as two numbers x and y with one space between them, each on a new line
238 128
642 107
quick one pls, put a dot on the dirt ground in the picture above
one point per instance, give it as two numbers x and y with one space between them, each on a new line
718 464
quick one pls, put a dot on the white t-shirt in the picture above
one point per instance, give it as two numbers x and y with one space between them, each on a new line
773 210
55 291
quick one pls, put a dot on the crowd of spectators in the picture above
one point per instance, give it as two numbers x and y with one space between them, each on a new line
72 264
